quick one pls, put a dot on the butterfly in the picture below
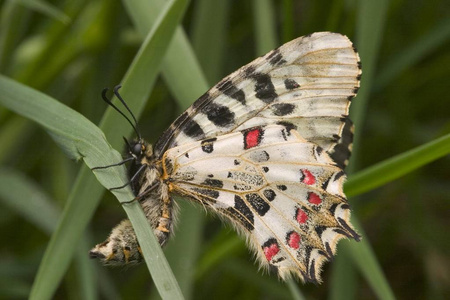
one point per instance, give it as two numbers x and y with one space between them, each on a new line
265 149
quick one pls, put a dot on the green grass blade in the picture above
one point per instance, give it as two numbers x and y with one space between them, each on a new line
294 289
210 19
364 258
27 199
413 54
397 166
81 143
47 9
266 37
288 32
180 67
184 77
343 274
370 26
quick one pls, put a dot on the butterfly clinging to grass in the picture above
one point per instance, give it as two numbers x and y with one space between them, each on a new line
265 149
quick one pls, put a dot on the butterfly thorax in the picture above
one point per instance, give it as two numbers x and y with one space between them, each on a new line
145 172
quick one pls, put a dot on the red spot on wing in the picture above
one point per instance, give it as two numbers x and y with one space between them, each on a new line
252 138
293 240
271 250
307 177
313 198
301 216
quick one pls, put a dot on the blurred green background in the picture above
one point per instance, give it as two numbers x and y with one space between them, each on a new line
71 50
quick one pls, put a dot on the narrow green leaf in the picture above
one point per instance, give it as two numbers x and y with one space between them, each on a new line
184 77
210 20
27 199
412 54
370 28
266 37
46 9
82 139
295 290
364 258
180 67
397 166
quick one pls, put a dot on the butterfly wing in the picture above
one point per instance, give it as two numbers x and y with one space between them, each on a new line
281 191
306 84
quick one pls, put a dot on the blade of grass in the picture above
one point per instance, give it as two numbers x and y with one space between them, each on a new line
412 54
210 20
35 206
27 199
349 281
180 67
370 26
266 37
76 143
10 21
288 29
184 77
397 166
364 258
294 289
46 9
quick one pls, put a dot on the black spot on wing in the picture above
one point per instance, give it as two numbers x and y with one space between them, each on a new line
191 128
283 109
275 58
213 183
229 89
320 229
202 101
258 203
168 165
291 84
341 151
282 187
242 213
338 175
260 156
249 70
353 233
325 184
269 194
220 115
208 145
264 88
288 125
209 194
332 208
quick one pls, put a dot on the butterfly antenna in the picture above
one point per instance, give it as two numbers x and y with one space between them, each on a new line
105 98
136 127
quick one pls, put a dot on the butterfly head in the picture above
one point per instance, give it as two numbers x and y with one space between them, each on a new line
139 149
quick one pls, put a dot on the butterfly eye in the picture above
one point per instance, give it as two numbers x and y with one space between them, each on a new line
137 149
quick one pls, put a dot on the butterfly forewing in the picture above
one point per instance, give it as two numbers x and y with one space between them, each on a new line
306 84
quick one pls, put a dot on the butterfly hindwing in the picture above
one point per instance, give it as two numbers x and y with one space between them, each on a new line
281 191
